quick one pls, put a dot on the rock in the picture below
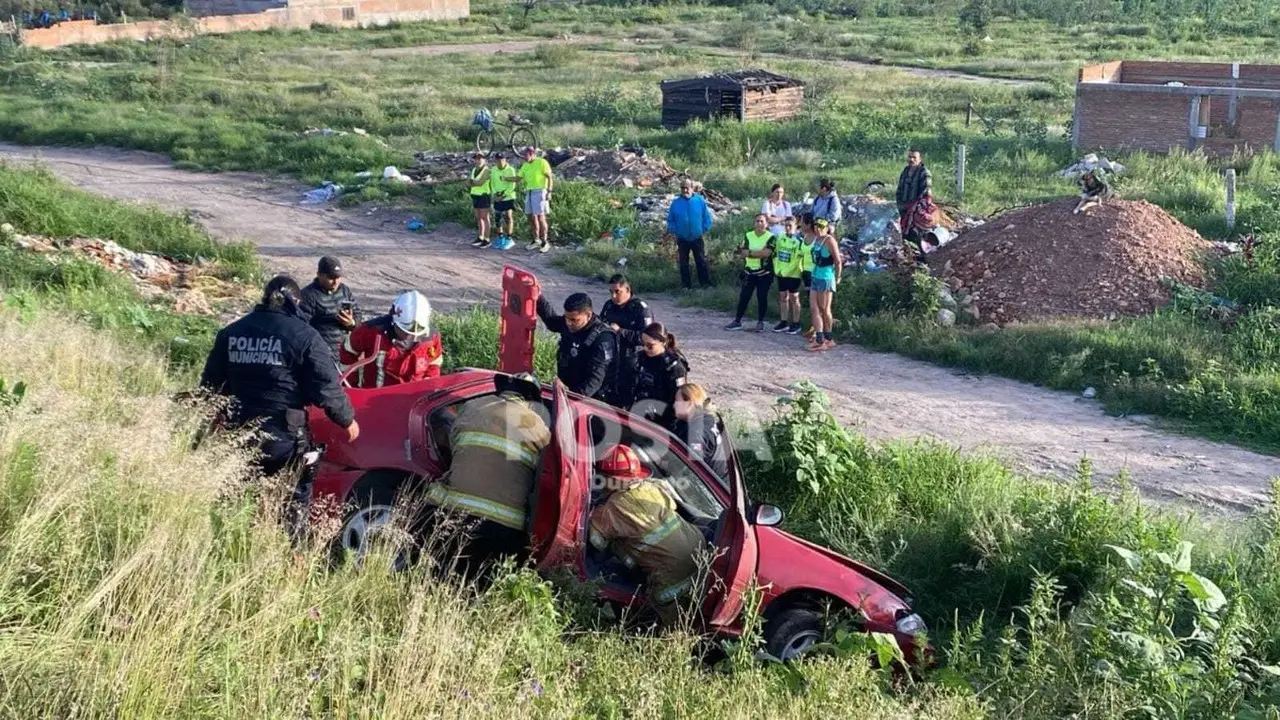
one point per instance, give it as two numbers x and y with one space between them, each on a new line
947 300
990 327
946 318
1089 393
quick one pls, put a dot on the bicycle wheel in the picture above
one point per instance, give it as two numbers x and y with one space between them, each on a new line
484 142
523 137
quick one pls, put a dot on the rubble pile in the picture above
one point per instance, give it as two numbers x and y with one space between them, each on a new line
191 288
625 167
1089 163
1043 262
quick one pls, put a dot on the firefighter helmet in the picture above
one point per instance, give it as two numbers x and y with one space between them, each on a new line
621 463
411 314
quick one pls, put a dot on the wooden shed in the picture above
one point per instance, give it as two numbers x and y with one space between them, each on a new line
745 95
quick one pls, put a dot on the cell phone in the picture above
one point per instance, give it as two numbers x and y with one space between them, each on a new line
346 305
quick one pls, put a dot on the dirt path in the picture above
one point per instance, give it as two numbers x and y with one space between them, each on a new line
887 395
518 46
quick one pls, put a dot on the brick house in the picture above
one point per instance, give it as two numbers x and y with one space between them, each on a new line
1157 106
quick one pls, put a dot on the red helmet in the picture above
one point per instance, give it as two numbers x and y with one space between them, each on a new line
622 463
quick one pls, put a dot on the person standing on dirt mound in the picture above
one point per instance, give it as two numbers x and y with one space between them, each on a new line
481 192
400 347
333 309
587 359
273 364
689 220
627 316
757 273
536 181
914 195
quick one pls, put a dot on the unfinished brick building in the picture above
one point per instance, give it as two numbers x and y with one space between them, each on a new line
1157 106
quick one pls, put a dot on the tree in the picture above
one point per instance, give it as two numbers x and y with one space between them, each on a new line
975 17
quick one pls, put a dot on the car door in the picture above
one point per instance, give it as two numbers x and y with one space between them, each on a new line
561 492
734 564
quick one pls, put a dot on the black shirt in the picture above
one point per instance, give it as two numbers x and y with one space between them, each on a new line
656 381
586 361
631 317
701 432
324 307
274 365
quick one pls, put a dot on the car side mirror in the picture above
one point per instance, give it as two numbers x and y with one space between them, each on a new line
767 515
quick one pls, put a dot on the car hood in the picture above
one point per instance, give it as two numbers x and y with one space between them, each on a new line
886 581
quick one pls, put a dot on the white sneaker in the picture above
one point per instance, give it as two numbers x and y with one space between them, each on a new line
546 246
533 245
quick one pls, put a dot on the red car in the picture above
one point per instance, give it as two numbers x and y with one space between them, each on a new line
402 426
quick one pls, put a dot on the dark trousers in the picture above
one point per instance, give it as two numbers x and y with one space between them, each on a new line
466 545
280 455
683 249
758 284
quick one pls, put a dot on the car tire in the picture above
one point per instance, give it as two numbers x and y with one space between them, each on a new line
792 632
371 506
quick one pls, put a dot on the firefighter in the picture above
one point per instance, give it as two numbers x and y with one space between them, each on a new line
402 344
638 522
587 359
628 316
273 364
495 445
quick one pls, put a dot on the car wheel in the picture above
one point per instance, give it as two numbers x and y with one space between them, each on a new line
373 511
792 632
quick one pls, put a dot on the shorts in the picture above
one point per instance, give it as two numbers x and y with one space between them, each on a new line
504 206
536 202
823 285
480 202
806 279
788 284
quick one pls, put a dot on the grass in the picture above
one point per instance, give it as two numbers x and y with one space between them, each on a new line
142 577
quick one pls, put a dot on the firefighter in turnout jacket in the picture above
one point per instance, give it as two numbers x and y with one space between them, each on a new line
402 346
638 522
495 443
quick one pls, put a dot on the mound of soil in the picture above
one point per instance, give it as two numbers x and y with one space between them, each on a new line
1043 262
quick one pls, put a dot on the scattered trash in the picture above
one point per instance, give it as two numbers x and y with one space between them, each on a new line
415 225
392 173
1092 162
359 131
323 194
1089 393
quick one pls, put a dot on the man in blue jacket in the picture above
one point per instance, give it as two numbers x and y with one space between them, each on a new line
688 220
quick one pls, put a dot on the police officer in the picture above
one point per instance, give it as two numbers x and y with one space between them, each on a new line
627 316
273 364
662 370
587 359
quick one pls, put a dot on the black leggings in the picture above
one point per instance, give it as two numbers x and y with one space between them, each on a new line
759 284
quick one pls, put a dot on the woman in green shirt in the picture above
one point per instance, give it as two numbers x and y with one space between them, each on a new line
786 265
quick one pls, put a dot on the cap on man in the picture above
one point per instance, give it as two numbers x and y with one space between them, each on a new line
332 307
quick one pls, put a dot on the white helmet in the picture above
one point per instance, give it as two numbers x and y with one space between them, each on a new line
411 314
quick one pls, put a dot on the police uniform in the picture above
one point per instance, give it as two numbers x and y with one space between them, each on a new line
656 381
273 364
587 360
631 317
701 432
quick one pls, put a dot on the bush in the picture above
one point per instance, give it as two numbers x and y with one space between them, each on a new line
556 55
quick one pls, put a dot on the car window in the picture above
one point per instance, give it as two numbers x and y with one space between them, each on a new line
654 451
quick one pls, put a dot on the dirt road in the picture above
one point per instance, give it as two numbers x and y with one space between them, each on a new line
887 395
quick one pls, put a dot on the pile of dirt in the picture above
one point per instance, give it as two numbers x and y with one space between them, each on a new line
189 288
1043 262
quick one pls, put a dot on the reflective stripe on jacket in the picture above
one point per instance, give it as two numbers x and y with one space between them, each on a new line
496 442
642 527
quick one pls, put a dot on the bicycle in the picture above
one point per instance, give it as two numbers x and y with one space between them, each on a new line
521 133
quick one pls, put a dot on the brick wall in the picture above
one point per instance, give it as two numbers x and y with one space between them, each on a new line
1107 72
1130 120
301 14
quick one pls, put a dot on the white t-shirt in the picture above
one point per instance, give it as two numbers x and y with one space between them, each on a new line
778 209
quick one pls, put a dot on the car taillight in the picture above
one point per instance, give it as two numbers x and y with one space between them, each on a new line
911 624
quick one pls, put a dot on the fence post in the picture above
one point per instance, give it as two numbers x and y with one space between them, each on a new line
968 114
960 163
1231 198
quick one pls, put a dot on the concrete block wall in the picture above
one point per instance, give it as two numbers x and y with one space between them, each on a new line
299 14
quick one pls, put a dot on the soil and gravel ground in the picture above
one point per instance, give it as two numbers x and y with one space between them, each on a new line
886 395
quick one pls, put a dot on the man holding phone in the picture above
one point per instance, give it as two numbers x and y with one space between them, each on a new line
333 309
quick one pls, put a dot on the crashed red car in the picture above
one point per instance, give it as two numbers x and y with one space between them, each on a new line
400 446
